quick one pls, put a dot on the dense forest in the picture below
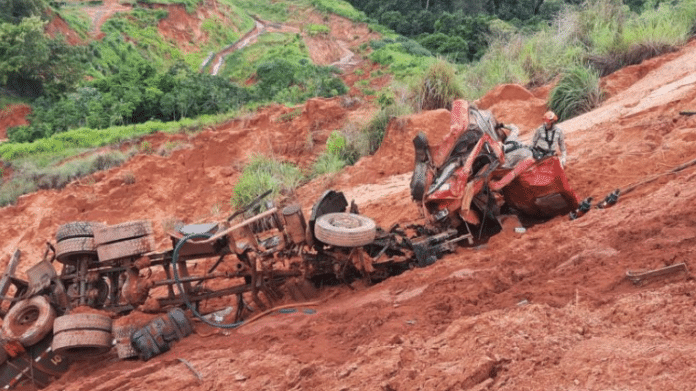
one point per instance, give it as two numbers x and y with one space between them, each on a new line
460 30
111 82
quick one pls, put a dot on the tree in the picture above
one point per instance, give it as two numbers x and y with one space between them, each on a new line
13 11
32 64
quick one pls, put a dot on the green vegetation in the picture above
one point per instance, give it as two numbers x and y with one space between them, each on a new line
343 148
327 163
316 29
189 4
33 64
377 127
74 141
28 177
283 70
339 7
437 88
134 94
264 9
265 173
602 33
403 56
577 92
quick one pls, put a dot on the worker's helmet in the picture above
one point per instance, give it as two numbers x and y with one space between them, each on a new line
550 117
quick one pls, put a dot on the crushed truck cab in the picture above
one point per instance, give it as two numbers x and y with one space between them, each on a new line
464 182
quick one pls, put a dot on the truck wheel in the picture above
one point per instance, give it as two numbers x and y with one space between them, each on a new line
123 231
420 172
77 229
345 229
74 246
29 321
81 336
126 248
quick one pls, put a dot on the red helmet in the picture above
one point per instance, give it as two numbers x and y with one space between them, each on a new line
550 117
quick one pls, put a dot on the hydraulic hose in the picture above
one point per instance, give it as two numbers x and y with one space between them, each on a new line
184 295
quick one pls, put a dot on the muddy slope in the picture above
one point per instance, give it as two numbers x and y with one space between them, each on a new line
549 309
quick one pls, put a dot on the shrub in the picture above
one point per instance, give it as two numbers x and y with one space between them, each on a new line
437 88
376 128
344 145
146 147
265 173
612 62
576 92
340 7
327 163
11 190
128 178
170 146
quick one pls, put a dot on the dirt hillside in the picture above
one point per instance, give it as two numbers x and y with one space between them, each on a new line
549 309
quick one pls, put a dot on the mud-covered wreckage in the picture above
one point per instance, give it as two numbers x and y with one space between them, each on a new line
62 314
468 181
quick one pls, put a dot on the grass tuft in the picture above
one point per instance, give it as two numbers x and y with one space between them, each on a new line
577 92
437 88
265 173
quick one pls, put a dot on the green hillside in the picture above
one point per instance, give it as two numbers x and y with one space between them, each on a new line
147 67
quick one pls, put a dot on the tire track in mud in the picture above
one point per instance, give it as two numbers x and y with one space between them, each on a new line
346 61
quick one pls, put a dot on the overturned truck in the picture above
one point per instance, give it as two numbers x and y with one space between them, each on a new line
62 314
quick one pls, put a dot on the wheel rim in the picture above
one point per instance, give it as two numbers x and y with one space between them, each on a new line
345 221
25 320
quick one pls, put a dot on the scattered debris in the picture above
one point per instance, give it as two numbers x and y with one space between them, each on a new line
639 277
195 372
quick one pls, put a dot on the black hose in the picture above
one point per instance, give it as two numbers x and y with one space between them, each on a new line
184 295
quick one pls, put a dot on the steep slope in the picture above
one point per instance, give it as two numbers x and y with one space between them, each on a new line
547 309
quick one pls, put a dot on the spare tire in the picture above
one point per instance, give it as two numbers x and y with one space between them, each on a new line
345 229
29 321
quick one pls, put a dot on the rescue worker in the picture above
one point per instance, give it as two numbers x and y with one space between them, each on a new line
515 151
548 138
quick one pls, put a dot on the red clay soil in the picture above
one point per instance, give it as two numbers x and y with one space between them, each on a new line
58 26
13 115
548 309
184 29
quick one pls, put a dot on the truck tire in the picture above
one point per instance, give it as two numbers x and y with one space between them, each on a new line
418 179
345 229
29 321
82 336
75 246
82 321
126 248
123 231
77 229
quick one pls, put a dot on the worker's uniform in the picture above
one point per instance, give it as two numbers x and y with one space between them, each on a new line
546 141
514 150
